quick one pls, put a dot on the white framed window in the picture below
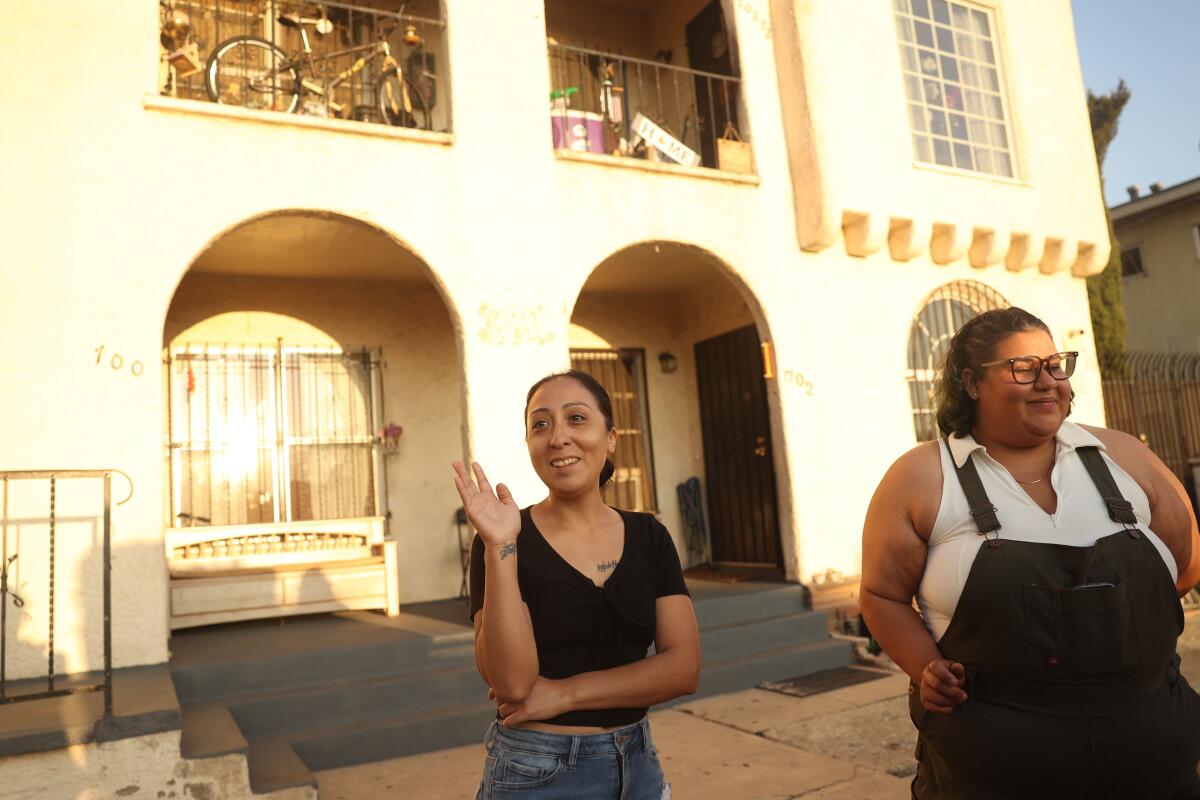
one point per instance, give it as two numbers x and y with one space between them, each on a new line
1196 240
954 84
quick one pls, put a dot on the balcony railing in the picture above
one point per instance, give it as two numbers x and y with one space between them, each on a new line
325 59
605 103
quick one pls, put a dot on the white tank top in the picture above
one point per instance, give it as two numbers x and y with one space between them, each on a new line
1080 519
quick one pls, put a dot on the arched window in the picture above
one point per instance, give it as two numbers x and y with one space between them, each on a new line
944 311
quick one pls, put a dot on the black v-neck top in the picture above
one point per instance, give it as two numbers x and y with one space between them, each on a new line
581 627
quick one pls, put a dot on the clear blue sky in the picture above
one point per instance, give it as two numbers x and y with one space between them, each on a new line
1155 46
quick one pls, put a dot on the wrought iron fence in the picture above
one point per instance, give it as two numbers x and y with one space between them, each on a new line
340 75
262 434
1157 398
597 98
55 686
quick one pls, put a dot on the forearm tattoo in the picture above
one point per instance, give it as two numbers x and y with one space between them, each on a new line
606 566
507 549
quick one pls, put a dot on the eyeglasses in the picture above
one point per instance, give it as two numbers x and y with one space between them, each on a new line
1027 369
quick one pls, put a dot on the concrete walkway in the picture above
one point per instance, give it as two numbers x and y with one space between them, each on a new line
854 743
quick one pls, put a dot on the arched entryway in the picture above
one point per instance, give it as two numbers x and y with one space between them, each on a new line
677 337
311 361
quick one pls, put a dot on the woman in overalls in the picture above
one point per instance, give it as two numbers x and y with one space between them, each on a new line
567 595
1047 559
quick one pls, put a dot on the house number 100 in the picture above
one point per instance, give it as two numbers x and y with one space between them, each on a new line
117 362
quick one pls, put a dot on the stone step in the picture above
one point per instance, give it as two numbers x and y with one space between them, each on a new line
456 682
274 765
395 736
718 605
717 642
272 672
209 730
345 702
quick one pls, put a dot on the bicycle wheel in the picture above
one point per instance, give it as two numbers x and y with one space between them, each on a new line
253 73
411 114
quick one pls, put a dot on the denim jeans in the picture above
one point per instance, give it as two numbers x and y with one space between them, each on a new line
617 765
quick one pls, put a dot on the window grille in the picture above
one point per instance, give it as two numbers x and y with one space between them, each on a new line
954 86
272 434
944 311
623 374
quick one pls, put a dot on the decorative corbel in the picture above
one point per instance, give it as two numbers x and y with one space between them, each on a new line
1092 259
864 232
1025 251
1058 255
908 238
950 242
988 247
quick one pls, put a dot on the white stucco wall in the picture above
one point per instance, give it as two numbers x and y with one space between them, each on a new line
118 192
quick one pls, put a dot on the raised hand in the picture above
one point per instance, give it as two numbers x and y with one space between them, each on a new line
493 513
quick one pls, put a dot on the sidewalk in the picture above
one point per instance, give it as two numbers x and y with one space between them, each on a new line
854 743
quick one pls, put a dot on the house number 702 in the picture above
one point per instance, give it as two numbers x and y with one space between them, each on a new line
117 361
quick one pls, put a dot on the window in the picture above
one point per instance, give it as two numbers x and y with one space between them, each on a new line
953 84
623 374
272 434
1196 240
944 311
1131 262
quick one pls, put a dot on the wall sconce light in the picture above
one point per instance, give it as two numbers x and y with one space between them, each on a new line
668 362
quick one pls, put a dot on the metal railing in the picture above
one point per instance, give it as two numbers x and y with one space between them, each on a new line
597 97
53 687
338 35
1156 397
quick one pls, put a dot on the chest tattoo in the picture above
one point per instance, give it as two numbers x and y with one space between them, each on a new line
605 566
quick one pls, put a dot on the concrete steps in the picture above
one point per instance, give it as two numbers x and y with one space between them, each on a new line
337 690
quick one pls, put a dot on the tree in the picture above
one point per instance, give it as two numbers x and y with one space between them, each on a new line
1104 289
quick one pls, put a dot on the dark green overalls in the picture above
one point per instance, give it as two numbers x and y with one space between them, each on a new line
1072 678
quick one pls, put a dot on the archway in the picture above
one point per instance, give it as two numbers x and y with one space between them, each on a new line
312 360
677 337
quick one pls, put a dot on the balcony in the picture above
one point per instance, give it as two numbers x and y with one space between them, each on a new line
643 81
375 62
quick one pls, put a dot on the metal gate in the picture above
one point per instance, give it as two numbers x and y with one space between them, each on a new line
623 374
260 434
739 469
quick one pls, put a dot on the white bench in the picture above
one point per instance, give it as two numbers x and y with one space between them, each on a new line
228 573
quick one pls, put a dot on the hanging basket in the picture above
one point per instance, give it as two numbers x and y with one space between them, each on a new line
734 155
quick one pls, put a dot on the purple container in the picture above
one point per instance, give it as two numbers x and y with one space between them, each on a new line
581 131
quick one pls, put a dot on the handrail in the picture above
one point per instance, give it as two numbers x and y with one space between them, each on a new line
644 62
53 476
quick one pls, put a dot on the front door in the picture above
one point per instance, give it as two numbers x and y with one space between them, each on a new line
740 472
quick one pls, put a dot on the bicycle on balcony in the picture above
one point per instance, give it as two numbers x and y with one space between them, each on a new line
252 72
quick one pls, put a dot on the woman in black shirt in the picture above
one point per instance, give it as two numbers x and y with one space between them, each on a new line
566 597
